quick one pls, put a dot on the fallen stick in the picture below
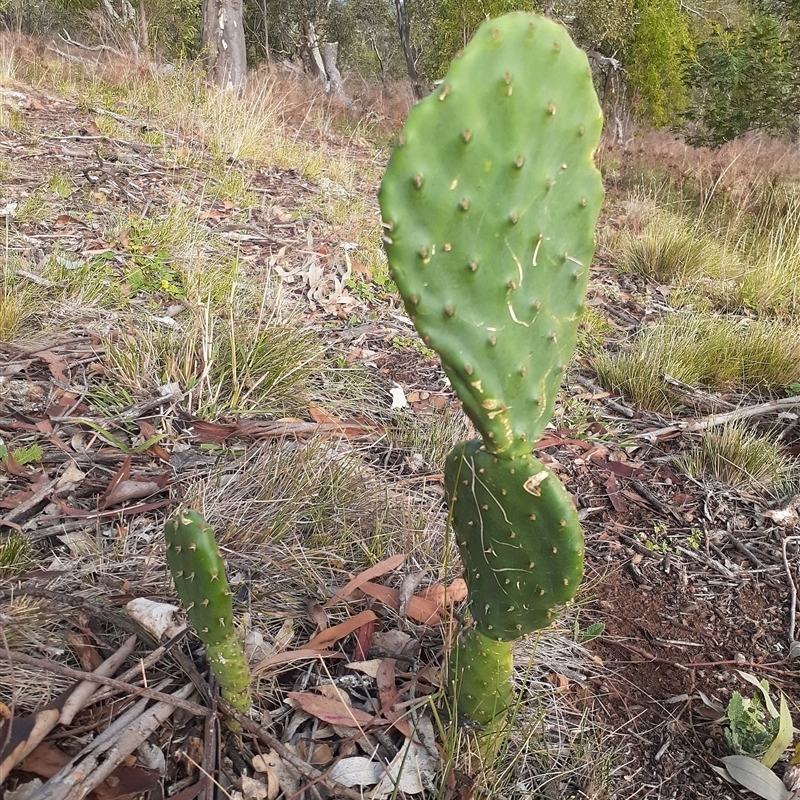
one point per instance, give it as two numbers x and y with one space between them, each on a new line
47 718
692 426
88 769
67 672
84 690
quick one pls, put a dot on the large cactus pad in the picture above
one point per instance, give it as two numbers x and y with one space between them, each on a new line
519 537
199 574
489 206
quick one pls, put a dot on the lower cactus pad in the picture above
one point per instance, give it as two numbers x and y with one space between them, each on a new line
480 672
519 538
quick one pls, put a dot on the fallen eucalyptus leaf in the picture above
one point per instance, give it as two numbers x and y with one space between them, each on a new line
356 771
782 739
753 775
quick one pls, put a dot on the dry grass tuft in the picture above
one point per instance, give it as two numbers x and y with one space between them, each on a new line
770 283
738 457
317 494
670 248
713 352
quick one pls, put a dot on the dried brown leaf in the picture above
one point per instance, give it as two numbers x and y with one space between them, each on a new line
329 709
381 568
330 636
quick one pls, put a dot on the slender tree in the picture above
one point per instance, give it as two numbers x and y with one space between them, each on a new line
404 31
223 41
656 61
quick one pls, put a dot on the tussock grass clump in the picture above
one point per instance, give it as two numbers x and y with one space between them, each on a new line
20 302
266 367
15 555
670 248
734 455
771 284
18 305
302 510
717 353
425 440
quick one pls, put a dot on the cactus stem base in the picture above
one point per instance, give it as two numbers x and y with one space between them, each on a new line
480 678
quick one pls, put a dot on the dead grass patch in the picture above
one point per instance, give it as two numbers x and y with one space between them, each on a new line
735 455
717 353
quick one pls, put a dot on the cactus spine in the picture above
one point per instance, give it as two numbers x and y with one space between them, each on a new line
199 574
489 205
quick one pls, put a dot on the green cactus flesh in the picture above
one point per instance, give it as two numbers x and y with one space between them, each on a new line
518 535
199 574
489 207
480 672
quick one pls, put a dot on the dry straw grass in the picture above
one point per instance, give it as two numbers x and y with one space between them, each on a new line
738 457
716 353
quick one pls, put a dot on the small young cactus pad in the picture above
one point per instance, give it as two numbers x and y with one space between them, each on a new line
199 574
489 207
518 535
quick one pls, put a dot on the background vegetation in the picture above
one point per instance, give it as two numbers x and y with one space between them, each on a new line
715 70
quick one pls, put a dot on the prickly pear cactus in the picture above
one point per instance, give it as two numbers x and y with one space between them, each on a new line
489 205
199 574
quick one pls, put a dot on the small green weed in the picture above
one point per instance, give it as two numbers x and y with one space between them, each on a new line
748 732
60 184
659 542
153 273
23 455
754 727
592 631
412 343
18 304
695 538
234 186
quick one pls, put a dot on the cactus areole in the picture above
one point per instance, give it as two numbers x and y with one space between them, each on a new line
199 574
489 206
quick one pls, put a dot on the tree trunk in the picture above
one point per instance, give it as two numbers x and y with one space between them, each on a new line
312 53
144 38
403 29
223 42
330 53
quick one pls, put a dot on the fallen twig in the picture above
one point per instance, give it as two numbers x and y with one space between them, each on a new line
103 755
792 591
84 690
67 672
30 503
692 426
774 668
612 404
697 395
62 713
